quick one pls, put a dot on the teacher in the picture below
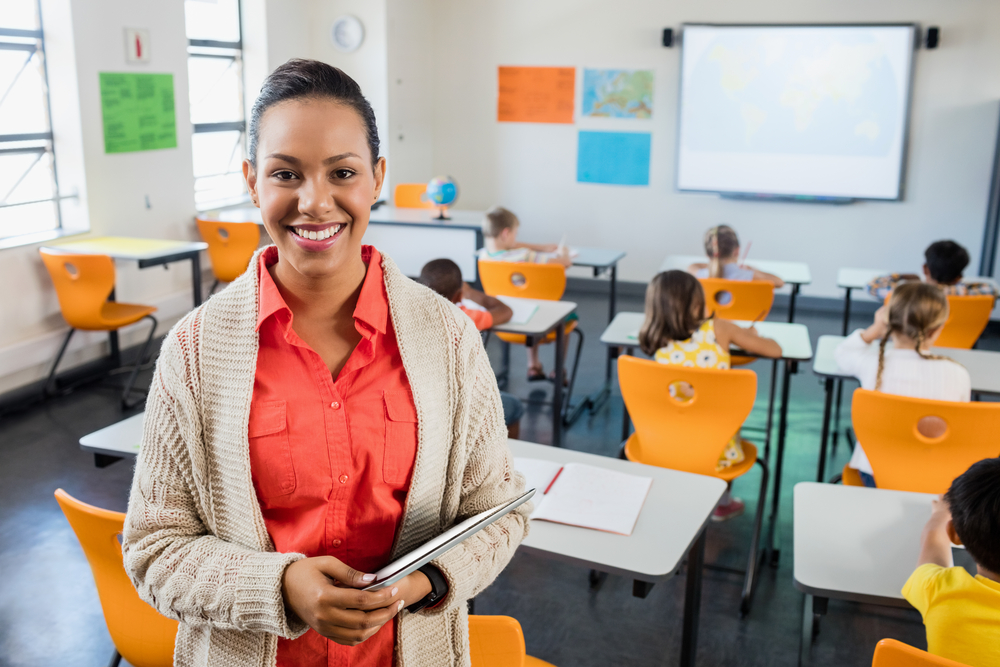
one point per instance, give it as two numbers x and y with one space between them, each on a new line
316 419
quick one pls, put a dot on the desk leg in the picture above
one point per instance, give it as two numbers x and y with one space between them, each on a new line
782 427
692 601
116 354
847 311
791 303
770 410
196 277
827 405
557 385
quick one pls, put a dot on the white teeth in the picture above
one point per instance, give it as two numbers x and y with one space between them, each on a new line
317 236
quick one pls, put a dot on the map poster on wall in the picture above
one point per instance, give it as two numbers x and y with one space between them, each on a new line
536 94
614 158
138 111
618 93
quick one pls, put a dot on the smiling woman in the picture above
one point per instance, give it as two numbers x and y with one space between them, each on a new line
319 417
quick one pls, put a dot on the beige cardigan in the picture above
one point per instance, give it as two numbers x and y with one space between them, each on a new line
195 544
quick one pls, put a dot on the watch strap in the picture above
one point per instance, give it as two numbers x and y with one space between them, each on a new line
439 589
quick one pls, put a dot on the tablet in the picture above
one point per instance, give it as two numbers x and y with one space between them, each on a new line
452 537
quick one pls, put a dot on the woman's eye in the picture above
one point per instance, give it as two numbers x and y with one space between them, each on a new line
343 173
284 175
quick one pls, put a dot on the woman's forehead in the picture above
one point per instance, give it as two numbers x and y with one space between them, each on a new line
312 126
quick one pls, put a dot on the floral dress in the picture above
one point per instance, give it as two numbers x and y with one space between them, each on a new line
701 350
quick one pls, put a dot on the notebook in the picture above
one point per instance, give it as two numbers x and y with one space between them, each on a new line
523 310
587 496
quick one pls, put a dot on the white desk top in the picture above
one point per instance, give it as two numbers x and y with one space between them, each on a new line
123 247
545 319
119 439
793 338
983 365
858 278
597 257
675 511
796 273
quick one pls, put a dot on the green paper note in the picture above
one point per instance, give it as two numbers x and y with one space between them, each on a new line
138 111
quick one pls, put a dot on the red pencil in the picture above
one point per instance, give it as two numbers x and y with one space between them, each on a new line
549 487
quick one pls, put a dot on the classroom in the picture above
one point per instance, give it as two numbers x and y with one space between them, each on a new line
502 334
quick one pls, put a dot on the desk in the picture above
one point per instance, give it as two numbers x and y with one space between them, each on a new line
670 526
795 274
115 442
795 347
983 367
550 316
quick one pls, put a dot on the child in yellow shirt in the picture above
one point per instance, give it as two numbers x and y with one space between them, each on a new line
962 612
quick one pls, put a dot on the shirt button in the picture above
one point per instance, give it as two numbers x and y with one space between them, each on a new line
335 405
336 544
343 479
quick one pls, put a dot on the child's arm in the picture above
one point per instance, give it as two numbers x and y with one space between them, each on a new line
696 267
769 277
538 247
935 545
500 311
878 328
728 333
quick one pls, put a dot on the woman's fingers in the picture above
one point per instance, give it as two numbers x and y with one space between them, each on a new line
351 598
352 626
343 573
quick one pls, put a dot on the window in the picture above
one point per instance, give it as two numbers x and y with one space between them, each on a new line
29 201
215 78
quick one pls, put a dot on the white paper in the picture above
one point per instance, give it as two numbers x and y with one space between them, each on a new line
593 497
538 473
523 310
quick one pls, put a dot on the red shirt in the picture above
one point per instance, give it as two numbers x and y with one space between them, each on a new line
331 460
483 319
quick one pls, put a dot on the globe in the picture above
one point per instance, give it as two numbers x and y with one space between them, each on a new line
442 191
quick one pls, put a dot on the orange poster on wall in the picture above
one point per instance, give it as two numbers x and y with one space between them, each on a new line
536 94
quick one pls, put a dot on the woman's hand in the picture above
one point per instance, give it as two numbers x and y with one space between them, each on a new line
414 587
323 592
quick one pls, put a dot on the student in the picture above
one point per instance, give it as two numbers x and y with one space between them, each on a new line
962 612
677 331
944 262
445 277
723 249
318 417
500 232
913 321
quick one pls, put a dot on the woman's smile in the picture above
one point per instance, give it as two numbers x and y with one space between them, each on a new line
316 237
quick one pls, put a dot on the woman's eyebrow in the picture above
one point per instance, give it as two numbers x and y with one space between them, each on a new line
338 158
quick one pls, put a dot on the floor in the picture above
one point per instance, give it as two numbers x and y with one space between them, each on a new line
50 613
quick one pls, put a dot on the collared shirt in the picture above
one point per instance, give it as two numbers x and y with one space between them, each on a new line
331 459
483 319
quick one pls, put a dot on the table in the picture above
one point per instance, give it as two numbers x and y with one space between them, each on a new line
795 274
795 347
670 526
983 367
549 316
115 442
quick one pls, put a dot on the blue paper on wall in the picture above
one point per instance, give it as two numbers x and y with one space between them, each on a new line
615 158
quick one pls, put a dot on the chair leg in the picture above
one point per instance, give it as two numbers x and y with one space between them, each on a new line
135 369
567 418
215 285
116 658
750 580
50 380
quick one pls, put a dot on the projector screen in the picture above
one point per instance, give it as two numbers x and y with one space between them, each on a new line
799 111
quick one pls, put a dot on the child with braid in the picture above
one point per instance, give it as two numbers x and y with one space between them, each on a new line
912 320
722 246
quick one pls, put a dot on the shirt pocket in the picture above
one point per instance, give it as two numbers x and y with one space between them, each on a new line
400 437
270 454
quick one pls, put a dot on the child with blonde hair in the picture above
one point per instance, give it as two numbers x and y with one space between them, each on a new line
722 246
677 331
913 320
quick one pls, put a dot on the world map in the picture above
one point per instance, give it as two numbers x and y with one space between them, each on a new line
618 93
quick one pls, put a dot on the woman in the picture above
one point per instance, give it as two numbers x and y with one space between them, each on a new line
319 417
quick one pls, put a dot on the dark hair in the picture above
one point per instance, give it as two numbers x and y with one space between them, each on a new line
310 79
974 499
675 308
945 261
443 276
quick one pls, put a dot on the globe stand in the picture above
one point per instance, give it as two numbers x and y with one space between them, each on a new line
442 213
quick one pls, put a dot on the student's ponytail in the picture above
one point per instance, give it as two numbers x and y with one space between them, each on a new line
714 262
721 243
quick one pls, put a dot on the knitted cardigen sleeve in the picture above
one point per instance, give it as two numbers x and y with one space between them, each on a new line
174 560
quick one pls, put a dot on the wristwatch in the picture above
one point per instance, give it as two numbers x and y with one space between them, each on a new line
439 588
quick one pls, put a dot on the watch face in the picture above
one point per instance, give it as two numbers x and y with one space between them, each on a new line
348 33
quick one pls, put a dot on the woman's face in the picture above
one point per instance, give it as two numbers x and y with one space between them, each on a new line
314 183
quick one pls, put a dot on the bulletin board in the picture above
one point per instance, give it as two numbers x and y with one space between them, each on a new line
138 111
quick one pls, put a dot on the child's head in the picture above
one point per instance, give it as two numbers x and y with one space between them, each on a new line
500 225
444 277
917 311
944 262
974 500
721 244
675 308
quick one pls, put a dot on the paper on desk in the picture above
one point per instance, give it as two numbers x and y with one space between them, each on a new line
538 473
523 310
472 305
593 497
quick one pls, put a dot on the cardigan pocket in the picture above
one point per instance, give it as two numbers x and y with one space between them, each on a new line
400 451
270 453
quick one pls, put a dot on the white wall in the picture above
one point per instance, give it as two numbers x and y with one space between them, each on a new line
443 58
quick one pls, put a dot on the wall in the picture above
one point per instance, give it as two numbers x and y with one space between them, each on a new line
443 58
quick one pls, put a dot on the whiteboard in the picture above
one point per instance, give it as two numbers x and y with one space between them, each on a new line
795 110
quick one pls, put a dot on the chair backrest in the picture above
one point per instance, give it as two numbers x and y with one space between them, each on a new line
410 195
83 284
892 653
230 246
140 634
683 435
967 319
496 641
747 299
903 458
524 279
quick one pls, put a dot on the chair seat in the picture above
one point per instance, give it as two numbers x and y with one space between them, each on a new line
115 315
535 662
851 477
727 474
740 360
519 339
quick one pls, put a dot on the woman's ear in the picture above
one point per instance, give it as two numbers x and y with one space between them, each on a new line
379 178
952 533
250 176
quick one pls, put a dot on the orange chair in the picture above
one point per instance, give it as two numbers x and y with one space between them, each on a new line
83 284
530 280
230 247
967 319
891 653
140 634
903 458
690 435
497 641
411 195
748 299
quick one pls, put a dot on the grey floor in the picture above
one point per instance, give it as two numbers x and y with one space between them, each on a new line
50 614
